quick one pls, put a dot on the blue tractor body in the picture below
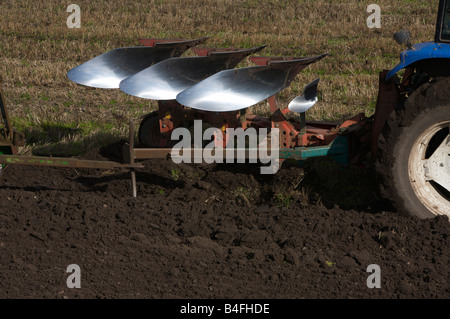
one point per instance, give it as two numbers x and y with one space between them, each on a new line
420 53
430 57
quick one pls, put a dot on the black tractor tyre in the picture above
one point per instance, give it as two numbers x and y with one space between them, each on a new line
412 134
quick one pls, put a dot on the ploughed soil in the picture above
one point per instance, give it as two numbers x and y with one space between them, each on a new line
213 231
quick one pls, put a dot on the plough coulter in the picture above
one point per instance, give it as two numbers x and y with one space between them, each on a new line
408 136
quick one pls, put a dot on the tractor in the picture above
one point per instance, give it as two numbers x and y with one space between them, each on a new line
410 132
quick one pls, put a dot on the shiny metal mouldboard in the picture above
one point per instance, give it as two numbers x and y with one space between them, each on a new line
164 80
304 102
236 89
109 69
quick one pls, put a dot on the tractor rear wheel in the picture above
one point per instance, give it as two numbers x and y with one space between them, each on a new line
414 152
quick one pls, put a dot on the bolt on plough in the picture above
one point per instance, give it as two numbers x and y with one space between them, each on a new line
208 88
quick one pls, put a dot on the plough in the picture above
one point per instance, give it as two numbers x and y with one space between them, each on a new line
192 88
209 87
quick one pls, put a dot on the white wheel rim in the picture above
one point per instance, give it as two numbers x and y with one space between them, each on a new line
424 173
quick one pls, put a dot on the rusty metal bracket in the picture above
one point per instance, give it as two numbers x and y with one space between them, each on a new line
387 101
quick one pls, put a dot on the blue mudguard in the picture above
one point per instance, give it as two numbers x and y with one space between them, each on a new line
421 51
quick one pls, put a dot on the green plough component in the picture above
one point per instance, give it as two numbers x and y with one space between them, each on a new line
338 149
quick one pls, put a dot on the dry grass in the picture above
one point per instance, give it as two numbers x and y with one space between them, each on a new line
37 49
